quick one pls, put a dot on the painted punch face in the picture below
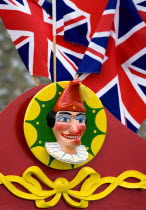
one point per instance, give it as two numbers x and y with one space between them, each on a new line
68 129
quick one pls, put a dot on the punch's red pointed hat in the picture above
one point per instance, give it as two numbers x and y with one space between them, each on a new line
70 99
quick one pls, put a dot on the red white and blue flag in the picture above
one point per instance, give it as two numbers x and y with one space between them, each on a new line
29 24
141 7
30 28
120 58
71 22
116 57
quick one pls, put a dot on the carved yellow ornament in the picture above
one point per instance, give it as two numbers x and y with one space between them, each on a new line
62 187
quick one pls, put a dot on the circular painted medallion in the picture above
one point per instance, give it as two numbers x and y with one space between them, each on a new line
38 135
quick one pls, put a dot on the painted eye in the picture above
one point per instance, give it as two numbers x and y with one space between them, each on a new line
63 119
81 119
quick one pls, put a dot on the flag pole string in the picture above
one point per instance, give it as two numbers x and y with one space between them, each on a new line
54 39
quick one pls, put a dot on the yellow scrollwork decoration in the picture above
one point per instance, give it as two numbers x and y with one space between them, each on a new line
62 187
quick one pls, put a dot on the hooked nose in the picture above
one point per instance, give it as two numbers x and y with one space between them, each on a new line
75 127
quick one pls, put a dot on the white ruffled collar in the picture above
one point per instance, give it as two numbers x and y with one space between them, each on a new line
53 148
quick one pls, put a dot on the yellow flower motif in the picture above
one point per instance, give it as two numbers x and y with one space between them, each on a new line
62 187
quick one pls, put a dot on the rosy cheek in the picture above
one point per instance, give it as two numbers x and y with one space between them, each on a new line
83 128
61 126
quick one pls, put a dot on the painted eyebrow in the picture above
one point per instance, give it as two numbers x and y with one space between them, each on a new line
81 114
64 113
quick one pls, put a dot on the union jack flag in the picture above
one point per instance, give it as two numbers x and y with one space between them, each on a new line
141 7
30 28
71 22
118 52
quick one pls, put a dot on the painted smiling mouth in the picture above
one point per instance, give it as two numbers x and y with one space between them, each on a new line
70 136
